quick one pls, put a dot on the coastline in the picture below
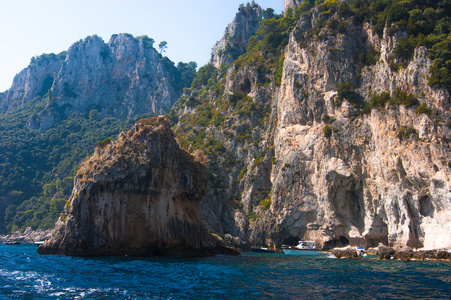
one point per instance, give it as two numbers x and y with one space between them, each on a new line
29 236
388 253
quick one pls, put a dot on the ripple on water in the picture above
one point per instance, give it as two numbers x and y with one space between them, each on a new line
25 274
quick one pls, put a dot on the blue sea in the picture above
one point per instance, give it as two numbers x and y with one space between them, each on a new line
24 274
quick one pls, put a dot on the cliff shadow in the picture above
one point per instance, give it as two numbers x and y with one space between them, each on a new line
345 195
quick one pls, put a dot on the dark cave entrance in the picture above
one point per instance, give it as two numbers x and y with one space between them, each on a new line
336 243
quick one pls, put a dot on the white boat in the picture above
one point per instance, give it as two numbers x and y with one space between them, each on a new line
303 248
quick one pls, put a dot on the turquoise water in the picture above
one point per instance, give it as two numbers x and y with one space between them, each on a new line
26 275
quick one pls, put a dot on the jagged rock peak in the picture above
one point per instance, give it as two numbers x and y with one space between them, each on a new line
292 4
122 78
35 80
137 195
234 40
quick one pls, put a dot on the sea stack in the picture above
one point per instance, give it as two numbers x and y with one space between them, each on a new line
136 196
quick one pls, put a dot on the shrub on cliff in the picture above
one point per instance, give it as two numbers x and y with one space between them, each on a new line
406 133
105 142
346 91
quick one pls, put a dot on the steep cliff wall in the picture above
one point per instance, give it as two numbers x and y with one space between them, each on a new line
301 159
364 184
123 78
35 80
136 196
234 41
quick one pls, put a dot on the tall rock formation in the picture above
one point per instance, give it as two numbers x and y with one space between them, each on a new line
365 184
233 43
293 4
136 196
122 78
35 80
299 161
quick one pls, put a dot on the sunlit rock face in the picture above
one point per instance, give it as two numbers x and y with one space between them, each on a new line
136 196
123 78
234 41
361 184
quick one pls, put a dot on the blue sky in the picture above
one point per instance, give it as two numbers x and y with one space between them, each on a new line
32 27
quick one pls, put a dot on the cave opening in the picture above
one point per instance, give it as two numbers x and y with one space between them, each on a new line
426 207
339 242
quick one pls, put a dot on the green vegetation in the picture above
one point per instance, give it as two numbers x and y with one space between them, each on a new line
327 119
346 91
266 204
368 58
400 97
31 160
265 49
423 109
105 142
327 131
252 216
406 133
243 172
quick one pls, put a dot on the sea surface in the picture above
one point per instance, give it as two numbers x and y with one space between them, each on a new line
24 274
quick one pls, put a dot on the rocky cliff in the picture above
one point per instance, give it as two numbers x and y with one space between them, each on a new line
136 196
315 156
35 80
123 78
233 43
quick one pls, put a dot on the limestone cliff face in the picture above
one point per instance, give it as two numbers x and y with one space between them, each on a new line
234 41
35 80
136 196
362 183
292 4
122 78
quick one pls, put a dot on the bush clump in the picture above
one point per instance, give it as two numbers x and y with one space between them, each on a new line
105 142
406 133
346 91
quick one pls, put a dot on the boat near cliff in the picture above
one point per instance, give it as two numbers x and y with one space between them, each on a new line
262 250
303 248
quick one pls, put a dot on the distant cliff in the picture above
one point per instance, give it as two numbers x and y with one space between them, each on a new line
122 78
136 196
33 81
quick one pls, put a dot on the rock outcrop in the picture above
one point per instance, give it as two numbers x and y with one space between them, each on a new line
293 4
317 167
234 41
27 237
365 183
33 81
123 78
136 196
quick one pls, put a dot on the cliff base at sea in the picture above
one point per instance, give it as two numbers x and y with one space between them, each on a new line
136 196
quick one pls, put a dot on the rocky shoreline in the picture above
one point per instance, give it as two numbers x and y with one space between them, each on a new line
388 253
29 236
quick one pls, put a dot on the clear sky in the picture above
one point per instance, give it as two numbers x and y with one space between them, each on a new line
190 27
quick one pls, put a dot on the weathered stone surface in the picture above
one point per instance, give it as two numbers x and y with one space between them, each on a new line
28 236
348 252
293 4
136 196
234 41
385 252
408 255
363 185
35 80
123 78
